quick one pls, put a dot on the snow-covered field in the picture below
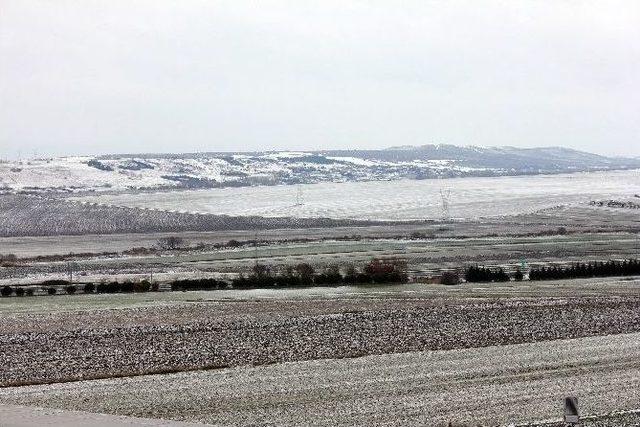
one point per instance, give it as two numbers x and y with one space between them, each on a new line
394 200
497 385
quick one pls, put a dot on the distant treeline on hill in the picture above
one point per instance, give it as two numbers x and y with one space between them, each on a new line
629 267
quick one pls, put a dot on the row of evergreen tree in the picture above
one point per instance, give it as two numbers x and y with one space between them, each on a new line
484 274
628 267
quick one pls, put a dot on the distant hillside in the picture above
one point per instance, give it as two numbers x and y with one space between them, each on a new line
522 160
212 170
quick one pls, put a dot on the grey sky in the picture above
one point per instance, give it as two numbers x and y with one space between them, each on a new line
158 76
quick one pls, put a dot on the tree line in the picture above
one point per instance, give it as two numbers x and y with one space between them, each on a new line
261 276
485 275
303 275
629 267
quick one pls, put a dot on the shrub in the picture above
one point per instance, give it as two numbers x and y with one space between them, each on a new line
8 260
142 286
385 271
449 278
197 284
29 292
71 289
518 276
108 287
170 243
55 282
126 287
330 276
305 273
89 288
592 269
483 274
155 287
6 291
51 290
19 292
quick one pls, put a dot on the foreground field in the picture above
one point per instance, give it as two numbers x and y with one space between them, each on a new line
74 344
417 354
24 416
479 386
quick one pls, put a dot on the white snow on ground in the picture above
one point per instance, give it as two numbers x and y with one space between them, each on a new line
354 160
394 200
496 385
127 173
22 416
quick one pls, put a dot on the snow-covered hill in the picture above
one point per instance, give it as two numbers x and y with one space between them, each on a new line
210 170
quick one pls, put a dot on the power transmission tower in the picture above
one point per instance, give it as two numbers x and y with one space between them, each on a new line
299 197
445 197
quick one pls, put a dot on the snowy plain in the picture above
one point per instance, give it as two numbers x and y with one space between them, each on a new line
393 200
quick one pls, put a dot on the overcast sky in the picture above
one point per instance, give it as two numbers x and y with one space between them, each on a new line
86 77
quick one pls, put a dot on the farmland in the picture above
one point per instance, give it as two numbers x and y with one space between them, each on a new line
400 347
423 352
391 200
24 215
486 386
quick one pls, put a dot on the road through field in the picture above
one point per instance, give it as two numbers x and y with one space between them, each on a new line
478 386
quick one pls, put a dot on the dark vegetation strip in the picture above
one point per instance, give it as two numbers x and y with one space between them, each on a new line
302 275
611 268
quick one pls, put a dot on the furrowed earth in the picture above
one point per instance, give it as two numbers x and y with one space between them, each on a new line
470 356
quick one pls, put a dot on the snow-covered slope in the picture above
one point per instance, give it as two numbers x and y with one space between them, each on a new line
210 170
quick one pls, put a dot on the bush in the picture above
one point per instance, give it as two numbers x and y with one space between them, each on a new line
330 276
108 287
127 287
170 243
8 259
155 287
629 267
483 274
518 276
449 278
305 273
384 271
6 291
71 289
197 285
19 292
55 282
52 291
142 286
29 292
89 288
